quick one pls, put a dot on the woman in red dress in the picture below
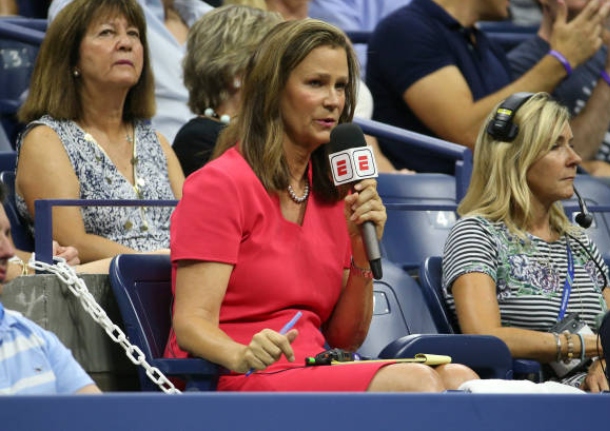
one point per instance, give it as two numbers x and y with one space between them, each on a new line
261 233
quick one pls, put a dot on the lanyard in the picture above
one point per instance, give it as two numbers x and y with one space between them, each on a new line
567 286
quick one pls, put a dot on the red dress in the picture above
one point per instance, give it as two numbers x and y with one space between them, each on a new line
226 215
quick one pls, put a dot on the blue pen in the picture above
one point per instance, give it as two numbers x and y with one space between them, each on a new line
287 327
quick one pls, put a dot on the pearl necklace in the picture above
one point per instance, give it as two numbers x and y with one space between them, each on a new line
298 199
224 119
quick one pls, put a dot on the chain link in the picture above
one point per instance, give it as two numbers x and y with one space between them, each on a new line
77 286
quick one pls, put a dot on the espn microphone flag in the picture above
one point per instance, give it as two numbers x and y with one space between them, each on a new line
352 161
352 165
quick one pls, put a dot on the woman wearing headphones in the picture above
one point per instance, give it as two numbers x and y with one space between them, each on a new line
514 266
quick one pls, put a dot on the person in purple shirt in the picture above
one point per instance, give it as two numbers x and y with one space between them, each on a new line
432 71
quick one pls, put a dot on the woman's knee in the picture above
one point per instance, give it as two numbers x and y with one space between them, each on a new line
406 378
453 375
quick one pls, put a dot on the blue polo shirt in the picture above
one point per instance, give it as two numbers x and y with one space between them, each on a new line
415 41
33 361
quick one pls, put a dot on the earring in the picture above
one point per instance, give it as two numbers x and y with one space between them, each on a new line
76 73
236 83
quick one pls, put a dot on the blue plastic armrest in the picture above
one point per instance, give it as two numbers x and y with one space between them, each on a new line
487 355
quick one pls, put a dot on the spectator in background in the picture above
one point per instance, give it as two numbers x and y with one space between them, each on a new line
218 49
424 76
586 91
514 265
355 15
167 27
88 134
32 360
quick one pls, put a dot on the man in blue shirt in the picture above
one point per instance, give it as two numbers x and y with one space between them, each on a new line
33 360
432 71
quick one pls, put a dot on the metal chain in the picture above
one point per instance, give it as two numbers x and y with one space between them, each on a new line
77 286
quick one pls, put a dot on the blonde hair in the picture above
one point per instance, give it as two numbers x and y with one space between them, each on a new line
498 188
218 48
54 90
258 128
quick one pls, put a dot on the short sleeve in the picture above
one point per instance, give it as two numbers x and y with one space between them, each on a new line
208 214
70 376
469 248
427 51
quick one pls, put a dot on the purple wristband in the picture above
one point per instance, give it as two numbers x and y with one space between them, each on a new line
564 61
604 75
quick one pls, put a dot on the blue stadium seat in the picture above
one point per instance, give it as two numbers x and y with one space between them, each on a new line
430 155
33 8
43 220
506 26
19 44
421 211
8 161
421 207
22 237
596 195
403 326
509 40
142 287
430 279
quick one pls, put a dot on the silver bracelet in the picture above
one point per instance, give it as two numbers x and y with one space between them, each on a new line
362 272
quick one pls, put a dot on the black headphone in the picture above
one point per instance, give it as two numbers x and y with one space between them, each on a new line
502 128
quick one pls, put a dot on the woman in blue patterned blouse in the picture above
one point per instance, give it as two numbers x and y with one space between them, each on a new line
88 133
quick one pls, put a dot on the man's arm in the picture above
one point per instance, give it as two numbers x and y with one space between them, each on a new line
460 120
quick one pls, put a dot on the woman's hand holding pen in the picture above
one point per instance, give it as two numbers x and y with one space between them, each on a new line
364 204
265 348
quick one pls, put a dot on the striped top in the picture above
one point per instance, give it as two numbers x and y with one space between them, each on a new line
33 361
529 275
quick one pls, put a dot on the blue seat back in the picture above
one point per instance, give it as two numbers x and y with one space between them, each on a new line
22 237
403 326
19 45
416 226
428 154
509 40
400 309
142 287
430 279
143 290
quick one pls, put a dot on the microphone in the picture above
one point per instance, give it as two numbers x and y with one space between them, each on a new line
351 161
584 218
